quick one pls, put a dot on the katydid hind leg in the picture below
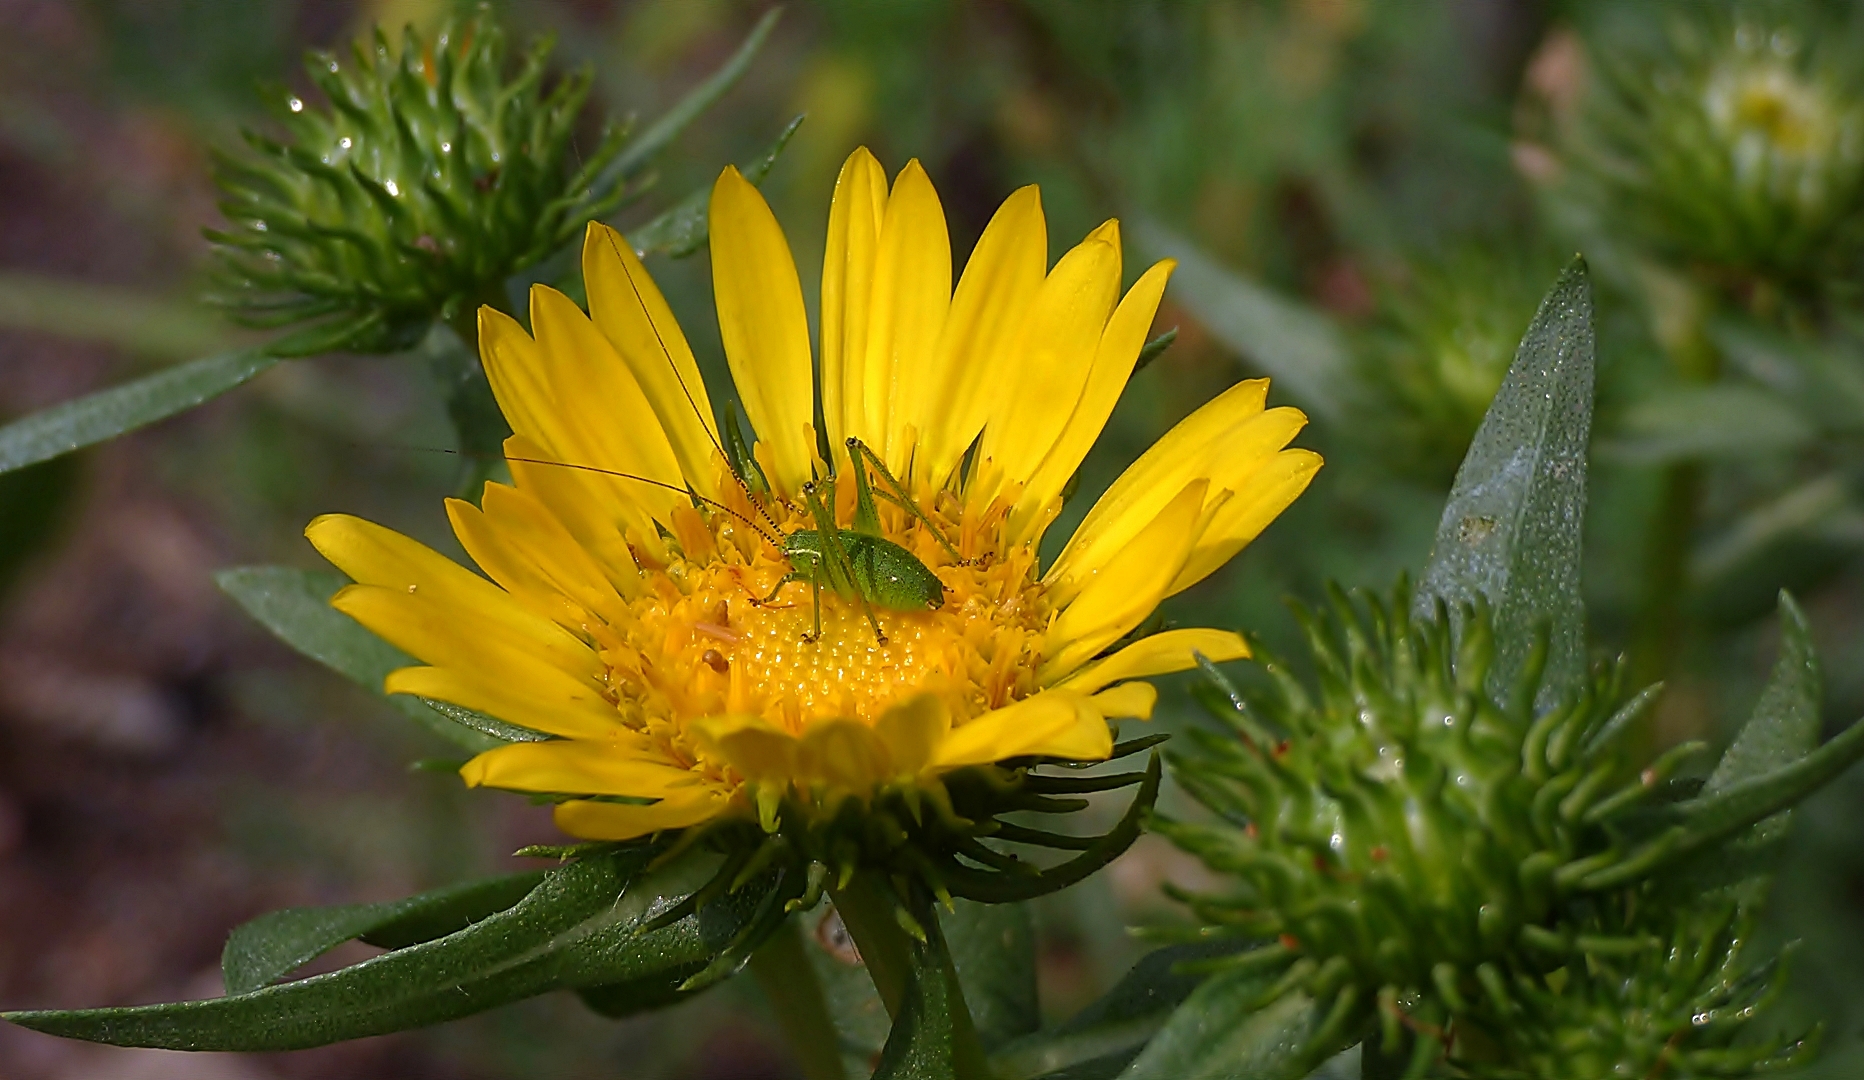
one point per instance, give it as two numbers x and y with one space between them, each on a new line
899 496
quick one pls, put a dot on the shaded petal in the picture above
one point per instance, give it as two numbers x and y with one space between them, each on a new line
627 307
619 821
1121 593
1159 654
578 767
913 730
1114 357
592 509
999 282
854 219
755 747
517 542
554 706
843 753
1261 498
763 326
911 296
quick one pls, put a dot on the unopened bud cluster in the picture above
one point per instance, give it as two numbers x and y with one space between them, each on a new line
1422 859
423 180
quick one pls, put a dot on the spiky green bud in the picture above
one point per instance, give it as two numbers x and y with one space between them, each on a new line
1736 146
425 179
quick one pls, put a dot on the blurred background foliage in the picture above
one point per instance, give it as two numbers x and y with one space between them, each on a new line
1368 201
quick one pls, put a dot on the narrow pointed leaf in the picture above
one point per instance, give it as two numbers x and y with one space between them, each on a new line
661 133
1298 347
1510 532
1783 729
273 945
683 229
295 605
94 418
578 928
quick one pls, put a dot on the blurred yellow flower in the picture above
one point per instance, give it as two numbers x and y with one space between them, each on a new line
633 617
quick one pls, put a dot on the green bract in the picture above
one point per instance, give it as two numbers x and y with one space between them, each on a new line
426 180
1678 1004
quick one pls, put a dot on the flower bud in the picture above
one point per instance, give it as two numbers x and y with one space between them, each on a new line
420 184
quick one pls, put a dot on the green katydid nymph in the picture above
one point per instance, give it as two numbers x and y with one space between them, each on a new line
860 564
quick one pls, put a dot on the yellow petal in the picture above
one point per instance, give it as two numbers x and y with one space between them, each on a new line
755 747
550 702
1133 699
514 366
763 326
844 754
1158 654
629 310
1114 357
517 542
577 767
854 218
1127 588
913 730
448 636
1230 435
911 296
1055 350
373 555
1027 727
619 821
1263 497
592 508
601 406
980 336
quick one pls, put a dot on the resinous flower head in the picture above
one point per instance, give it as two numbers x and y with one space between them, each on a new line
425 179
1399 835
712 637
1668 993
1738 147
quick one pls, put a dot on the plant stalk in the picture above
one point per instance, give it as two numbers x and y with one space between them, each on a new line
891 956
783 972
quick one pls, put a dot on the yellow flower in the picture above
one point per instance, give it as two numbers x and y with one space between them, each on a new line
629 619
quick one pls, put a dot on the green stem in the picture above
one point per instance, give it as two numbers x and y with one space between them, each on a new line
867 908
783 971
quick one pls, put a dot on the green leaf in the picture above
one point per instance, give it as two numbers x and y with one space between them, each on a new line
1220 1034
1715 421
1510 533
1296 345
579 928
275 944
1102 1038
682 229
994 949
663 131
1783 729
106 414
295 605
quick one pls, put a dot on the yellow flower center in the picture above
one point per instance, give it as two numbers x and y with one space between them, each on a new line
709 638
